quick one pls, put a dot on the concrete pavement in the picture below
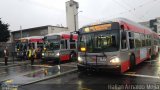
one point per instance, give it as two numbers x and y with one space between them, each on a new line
42 73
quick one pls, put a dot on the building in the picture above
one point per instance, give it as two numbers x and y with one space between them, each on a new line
71 18
72 15
36 31
154 24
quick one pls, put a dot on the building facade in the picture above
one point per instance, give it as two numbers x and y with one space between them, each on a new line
154 24
36 31
71 18
72 15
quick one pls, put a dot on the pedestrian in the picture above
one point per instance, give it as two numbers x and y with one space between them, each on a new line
6 54
32 55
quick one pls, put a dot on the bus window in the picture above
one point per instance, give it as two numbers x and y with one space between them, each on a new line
138 42
131 40
64 44
123 40
72 44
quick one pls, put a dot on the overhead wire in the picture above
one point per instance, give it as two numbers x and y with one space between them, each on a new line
149 10
127 11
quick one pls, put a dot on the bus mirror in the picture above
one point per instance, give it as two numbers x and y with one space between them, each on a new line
77 32
71 37
122 27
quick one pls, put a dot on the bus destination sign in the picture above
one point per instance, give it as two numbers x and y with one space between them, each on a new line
97 28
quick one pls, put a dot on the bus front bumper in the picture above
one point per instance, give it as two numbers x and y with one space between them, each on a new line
105 68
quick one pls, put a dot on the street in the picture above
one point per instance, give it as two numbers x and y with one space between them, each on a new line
145 77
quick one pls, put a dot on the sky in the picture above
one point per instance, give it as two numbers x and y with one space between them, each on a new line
35 13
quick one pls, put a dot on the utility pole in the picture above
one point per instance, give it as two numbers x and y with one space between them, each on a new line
75 20
21 31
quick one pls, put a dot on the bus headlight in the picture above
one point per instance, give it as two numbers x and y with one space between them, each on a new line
115 60
57 54
80 60
42 54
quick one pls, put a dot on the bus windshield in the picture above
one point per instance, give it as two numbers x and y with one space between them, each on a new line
21 46
100 41
52 45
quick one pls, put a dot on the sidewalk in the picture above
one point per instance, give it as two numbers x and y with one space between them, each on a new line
44 73
12 62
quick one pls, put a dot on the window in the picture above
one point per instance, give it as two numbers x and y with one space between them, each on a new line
143 40
138 42
98 42
123 40
131 40
63 44
72 44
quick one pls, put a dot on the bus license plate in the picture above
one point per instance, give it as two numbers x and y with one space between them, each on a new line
101 59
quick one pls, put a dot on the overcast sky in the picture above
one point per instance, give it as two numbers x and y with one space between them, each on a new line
34 13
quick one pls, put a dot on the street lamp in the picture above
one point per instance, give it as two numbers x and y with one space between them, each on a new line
75 19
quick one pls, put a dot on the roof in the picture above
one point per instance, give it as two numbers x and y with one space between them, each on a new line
60 33
33 37
128 24
35 28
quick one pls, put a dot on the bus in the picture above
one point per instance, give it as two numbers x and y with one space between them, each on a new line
59 47
117 45
23 44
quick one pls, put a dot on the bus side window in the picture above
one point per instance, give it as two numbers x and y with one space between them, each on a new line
131 40
73 44
123 40
63 44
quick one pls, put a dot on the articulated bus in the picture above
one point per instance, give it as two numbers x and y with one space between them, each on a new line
116 45
59 47
23 44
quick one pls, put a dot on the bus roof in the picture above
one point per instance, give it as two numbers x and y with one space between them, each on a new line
128 25
60 33
33 38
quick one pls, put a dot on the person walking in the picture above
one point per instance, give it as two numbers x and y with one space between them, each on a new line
6 54
31 54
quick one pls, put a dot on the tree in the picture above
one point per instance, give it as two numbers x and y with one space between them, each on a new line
4 32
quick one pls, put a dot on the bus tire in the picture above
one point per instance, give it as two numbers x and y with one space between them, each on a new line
132 61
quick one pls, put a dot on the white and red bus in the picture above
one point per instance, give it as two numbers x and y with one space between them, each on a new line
116 45
23 44
59 47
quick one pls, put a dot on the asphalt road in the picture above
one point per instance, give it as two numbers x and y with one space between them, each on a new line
144 77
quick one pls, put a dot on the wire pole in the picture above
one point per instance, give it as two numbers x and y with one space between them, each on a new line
21 31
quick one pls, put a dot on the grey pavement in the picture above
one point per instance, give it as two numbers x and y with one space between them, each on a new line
12 62
42 72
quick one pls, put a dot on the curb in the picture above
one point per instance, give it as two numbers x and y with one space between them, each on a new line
49 77
13 65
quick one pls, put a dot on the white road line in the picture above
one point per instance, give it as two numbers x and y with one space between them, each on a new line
41 66
145 76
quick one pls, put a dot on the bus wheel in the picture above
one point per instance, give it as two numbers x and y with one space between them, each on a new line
132 61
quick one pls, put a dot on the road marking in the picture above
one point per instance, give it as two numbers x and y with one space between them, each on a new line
69 65
145 76
42 66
